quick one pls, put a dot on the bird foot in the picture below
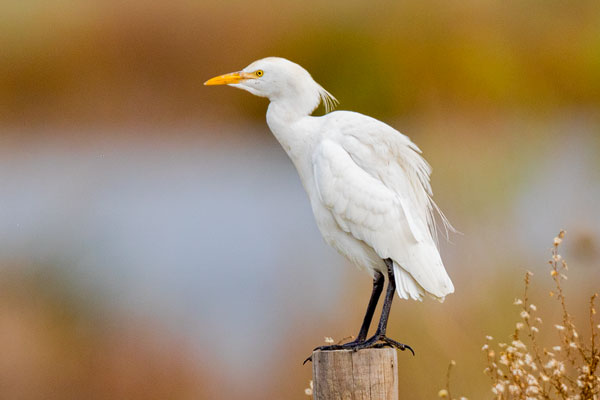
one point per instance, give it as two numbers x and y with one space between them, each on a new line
377 341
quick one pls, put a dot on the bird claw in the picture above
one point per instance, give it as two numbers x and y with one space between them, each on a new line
375 342
346 346
400 346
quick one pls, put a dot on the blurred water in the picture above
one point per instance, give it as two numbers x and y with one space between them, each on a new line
218 242
563 190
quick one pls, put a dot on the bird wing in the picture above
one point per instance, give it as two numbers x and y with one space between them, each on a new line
371 185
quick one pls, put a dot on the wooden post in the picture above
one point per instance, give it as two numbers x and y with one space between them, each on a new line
370 374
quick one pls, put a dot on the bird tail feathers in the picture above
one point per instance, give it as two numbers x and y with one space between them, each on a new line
408 287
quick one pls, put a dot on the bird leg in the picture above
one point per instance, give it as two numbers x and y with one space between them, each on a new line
378 339
378 281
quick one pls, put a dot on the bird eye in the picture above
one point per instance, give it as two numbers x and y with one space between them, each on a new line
259 73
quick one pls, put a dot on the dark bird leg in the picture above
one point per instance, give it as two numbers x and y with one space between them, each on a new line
378 281
379 336
378 339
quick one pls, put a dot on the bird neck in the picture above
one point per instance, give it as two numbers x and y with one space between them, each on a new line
290 127
294 107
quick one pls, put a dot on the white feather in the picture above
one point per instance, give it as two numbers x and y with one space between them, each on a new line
368 184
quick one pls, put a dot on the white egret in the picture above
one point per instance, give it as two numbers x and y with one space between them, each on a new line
367 184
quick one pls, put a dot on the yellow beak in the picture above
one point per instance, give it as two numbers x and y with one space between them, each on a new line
234 77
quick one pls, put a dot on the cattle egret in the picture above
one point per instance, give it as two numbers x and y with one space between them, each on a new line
367 184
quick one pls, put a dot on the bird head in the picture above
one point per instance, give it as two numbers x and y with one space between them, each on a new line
281 81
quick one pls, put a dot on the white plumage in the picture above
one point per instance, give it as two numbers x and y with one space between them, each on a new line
367 183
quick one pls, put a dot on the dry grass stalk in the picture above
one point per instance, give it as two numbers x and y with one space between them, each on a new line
524 369
445 393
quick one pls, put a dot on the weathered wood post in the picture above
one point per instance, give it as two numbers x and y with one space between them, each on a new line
370 374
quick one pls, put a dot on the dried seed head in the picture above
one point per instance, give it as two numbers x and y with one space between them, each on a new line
585 369
564 387
519 325
532 390
499 388
519 345
309 390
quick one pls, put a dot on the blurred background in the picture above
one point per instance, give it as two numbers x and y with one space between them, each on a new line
155 241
